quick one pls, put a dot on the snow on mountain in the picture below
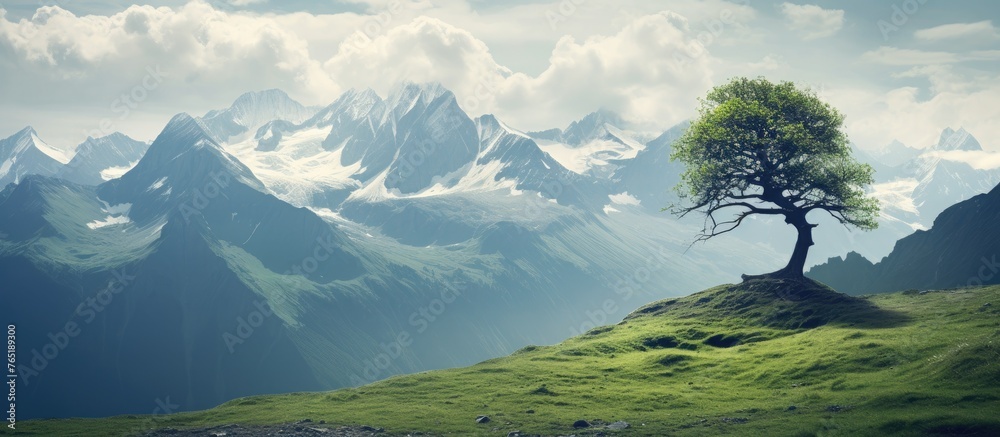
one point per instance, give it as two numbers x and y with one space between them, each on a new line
24 153
116 215
100 159
957 140
184 164
299 169
943 183
896 200
252 110
935 178
587 146
651 176
417 142
592 126
894 154
416 197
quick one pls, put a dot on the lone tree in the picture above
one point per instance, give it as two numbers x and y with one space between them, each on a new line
763 148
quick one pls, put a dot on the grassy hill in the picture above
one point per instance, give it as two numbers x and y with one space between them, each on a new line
760 358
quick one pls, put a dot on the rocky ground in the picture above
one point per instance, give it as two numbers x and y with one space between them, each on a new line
309 428
301 428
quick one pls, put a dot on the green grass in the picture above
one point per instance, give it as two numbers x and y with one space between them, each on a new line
897 364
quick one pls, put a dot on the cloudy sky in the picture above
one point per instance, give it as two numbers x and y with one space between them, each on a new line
898 69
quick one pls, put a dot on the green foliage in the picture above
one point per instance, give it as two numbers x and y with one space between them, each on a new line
892 364
769 148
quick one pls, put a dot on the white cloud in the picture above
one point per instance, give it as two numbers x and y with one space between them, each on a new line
423 50
812 21
982 30
897 56
653 68
916 117
981 160
246 2
64 72
770 62
77 68
942 78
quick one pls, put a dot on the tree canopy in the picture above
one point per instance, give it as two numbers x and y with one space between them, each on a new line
759 147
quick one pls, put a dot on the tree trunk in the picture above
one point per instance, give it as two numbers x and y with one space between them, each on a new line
796 265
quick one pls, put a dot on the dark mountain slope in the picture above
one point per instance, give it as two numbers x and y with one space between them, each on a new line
961 249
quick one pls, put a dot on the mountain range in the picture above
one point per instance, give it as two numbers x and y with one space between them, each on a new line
377 236
347 243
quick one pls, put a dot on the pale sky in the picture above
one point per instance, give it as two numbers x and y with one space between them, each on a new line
903 69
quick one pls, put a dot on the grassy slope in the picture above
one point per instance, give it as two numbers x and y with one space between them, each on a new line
903 363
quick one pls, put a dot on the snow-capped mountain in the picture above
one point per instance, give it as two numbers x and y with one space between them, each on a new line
938 177
651 176
915 185
589 145
894 154
380 207
944 182
345 224
24 153
415 142
100 159
957 140
252 110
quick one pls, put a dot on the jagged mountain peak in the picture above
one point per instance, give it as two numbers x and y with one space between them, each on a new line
252 110
354 102
186 152
959 139
248 102
603 115
894 154
104 158
24 153
489 125
28 137
273 93
185 126
429 90
112 137
363 94
28 130
596 125
408 95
